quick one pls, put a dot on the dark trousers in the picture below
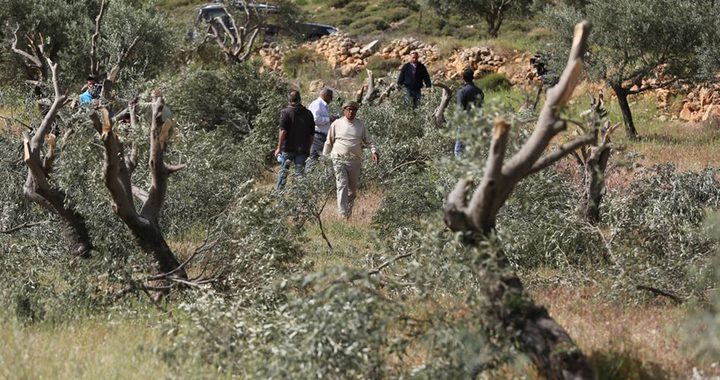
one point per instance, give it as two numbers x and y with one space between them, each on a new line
412 96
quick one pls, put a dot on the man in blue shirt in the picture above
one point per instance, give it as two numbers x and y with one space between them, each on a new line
91 91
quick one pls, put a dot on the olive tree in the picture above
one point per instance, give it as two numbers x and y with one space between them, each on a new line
493 11
638 45
235 28
121 45
541 337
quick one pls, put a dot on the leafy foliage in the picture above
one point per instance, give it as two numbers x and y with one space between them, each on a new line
494 82
234 98
636 46
657 239
494 11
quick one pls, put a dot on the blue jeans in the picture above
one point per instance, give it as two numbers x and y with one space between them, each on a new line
285 158
412 97
459 148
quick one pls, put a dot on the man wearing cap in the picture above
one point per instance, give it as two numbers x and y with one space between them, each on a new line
412 76
319 109
345 140
295 137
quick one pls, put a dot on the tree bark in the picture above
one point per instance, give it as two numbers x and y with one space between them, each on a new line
622 96
549 346
55 201
439 114
144 225
38 187
595 175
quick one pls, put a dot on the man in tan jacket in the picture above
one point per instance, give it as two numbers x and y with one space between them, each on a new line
345 140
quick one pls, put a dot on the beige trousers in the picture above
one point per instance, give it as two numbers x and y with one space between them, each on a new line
347 179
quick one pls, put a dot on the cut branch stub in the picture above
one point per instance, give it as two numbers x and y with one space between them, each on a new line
549 346
500 178
144 225
37 186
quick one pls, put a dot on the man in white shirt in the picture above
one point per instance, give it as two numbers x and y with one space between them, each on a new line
319 109
345 140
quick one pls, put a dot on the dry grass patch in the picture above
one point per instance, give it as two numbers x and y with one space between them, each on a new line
81 350
623 342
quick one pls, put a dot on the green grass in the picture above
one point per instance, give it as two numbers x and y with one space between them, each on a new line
111 348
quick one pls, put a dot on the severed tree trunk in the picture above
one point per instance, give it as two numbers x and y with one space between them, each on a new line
593 160
236 42
538 335
118 169
439 114
370 91
37 187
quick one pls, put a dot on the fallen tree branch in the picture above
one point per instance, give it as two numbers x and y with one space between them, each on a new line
20 227
677 300
388 263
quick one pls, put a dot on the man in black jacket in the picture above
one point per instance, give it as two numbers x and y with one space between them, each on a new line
468 96
297 128
412 76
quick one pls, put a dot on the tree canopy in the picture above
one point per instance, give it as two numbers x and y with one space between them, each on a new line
639 45
493 11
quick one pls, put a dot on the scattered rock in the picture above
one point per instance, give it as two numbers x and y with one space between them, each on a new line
702 102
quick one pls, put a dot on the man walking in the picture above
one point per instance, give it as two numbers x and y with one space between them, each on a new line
295 137
321 115
468 96
412 76
346 138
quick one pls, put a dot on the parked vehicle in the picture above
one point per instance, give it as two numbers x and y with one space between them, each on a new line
305 30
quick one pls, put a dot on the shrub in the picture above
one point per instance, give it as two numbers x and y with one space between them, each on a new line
250 246
369 25
338 3
296 58
232 97
344 323
395 14
657 239
494 82
409 199
380 65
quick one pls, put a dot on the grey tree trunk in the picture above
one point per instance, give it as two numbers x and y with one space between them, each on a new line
539 336
622 96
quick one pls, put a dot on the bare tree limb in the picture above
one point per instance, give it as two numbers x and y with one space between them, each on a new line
37 187
388 263
539 336
677 300
20 227
387 92
94 64
144 225
370 92
14 120
561 151
33 58
444 101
